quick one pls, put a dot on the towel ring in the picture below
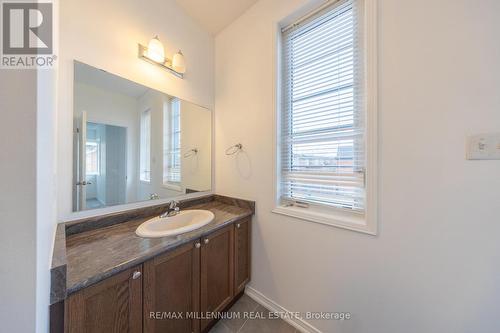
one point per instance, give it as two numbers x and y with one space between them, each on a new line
234 149
191 152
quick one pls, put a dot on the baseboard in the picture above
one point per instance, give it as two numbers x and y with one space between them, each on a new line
271 305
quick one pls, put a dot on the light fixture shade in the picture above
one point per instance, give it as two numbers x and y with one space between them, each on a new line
179 63
155 50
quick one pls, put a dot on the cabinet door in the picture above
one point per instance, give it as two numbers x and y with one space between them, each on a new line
172 291
111 306
217 271
242 251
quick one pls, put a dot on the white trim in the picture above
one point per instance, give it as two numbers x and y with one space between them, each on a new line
174 187
371 77
303 18
277 80
271 305
369 224
328 216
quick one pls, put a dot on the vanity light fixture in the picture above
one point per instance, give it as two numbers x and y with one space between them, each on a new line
155 50
154 53
178 62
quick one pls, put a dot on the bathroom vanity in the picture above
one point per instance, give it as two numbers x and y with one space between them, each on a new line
132 143
108 279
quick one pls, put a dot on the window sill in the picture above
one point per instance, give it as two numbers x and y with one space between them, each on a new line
332 218
173 187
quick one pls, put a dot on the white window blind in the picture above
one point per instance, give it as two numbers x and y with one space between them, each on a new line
322 122
172 143
145 147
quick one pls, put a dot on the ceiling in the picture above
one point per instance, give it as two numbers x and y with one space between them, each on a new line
215 15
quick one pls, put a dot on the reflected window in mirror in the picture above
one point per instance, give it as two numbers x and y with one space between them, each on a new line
145 147
172 144
93 157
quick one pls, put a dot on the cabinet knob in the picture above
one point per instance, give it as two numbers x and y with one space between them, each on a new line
136 275
197 245
238 225
206 240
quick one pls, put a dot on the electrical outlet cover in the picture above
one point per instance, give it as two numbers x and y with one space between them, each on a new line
483 146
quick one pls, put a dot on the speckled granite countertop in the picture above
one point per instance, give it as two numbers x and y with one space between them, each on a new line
101 251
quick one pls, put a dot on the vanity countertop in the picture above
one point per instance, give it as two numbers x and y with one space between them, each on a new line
94 255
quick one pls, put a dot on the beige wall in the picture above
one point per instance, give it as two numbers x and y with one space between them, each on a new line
434 266
107 38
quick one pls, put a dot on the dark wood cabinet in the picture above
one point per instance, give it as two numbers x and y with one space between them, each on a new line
172 291
111 306
217 272
242 253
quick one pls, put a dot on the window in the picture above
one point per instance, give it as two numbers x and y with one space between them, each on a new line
172 143
145 147
92 153
323 123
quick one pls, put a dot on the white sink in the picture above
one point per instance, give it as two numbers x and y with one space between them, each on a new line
185 221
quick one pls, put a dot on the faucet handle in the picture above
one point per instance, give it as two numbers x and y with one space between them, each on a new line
174 204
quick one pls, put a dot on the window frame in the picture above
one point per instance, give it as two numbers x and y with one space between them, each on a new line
365 222
141 116
168 111
97 144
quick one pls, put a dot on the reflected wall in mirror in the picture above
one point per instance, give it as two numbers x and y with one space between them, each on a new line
132 143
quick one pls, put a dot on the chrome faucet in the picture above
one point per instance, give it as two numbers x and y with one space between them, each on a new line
172 210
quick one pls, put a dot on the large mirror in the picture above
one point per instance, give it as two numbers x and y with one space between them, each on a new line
132 143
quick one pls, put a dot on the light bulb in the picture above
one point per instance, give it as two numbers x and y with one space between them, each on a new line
155 51
179 63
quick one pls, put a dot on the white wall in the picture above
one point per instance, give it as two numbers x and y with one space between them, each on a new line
46 187
434 265
18 200
27 198
107 38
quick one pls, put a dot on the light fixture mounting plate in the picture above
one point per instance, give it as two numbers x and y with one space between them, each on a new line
142 53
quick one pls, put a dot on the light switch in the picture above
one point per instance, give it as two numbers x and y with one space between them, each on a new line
483 146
